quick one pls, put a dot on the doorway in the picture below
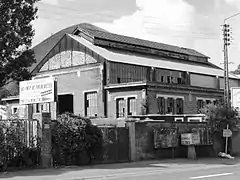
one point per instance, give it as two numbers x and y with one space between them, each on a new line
65 103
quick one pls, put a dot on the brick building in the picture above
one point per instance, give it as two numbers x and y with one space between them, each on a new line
101 74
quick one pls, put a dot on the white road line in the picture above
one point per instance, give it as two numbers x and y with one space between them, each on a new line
210 176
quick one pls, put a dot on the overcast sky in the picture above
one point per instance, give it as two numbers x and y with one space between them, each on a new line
187 23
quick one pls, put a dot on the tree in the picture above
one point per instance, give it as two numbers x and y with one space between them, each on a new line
16 33
237 71
219 115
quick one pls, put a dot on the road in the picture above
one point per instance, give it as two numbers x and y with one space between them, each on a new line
146 170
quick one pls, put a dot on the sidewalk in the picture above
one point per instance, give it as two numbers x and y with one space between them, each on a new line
107 170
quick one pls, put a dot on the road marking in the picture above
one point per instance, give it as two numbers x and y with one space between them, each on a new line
210 176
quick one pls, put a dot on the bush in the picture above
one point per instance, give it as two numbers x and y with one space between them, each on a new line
71 136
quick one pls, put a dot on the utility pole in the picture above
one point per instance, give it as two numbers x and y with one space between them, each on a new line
226 39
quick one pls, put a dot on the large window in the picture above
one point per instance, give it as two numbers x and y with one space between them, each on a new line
200 104
91 104
161 105
170 105
120 107
179 106
126 106
131 106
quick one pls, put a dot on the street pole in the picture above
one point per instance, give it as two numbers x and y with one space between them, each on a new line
226 39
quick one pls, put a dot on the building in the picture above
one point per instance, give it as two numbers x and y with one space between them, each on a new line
101 74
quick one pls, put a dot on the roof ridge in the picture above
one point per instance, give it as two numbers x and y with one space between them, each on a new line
142 42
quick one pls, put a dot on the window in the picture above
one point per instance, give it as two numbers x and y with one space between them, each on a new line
118 80
208 102
162 78
179 106
200 104
161 105
170 106
168 79
120 107
15 110
179 80
131 106
38 108
91 104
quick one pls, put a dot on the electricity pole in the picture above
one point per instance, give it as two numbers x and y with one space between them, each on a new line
226 39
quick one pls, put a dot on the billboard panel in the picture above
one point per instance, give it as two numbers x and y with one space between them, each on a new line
235 97
37 91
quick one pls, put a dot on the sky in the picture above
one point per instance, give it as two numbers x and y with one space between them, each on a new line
195 24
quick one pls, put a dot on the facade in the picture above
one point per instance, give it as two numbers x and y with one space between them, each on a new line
100 74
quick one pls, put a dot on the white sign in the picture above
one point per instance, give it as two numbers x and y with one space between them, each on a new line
190 139
227 133
37 91
235 97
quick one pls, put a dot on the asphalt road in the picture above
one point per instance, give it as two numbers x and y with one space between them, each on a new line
152 170
211 173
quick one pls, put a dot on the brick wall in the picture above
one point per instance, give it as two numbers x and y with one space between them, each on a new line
190 99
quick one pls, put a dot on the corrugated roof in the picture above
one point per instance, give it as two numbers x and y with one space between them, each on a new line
149 61
140 42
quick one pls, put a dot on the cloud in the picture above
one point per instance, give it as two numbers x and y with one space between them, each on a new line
164 21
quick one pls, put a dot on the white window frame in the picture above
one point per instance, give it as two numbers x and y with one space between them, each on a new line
125 99
15 106
190 119
177 119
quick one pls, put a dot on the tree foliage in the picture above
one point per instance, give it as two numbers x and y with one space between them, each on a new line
16 33
218 116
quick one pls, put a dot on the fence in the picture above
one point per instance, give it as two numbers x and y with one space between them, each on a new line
115 145
19 143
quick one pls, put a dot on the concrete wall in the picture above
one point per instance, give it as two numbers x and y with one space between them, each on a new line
144 145
203 81
78 80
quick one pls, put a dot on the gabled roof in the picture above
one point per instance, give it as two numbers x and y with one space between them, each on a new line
43 48
127 58
99 34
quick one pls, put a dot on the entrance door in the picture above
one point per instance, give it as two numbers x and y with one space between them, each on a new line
65 103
